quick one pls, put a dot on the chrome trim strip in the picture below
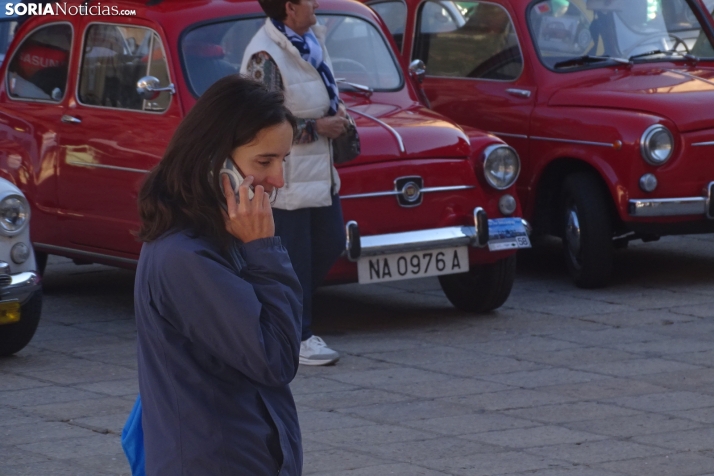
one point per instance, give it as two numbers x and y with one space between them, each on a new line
506 134
418 240
573 141
369 195
700 144
398 192
385 125
447 188
691 76
667 207
103 166
50 248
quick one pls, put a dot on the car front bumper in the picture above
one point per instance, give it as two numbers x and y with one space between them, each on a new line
420 240
19 287
669 207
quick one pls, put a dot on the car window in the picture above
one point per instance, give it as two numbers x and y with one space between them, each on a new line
8 25
372 64
565 29
394 15
213 51
702 47
114 58
467 40
38 69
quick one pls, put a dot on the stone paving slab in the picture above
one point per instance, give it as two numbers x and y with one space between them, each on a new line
633 426
676 464
593 452
558 382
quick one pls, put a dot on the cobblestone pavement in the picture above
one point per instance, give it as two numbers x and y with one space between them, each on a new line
558 382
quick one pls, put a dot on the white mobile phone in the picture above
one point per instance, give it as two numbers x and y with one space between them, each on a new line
230 169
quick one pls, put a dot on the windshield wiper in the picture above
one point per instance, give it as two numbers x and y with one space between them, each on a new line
653 52
689 57
587 59
360 88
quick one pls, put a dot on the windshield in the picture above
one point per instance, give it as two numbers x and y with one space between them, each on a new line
646 29
212 51
8 24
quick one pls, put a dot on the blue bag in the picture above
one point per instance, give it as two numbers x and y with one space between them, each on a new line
132 440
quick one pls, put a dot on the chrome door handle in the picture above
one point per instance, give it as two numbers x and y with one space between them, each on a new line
521 93
71 119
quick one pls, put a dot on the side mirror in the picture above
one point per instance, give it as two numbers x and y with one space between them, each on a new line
417 69
149 88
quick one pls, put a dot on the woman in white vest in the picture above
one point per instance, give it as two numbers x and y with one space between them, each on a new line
288 54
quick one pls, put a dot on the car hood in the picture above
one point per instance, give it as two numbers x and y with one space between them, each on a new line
389 132
685 96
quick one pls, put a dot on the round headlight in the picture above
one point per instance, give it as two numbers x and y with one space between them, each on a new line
501 166
14 215
656 145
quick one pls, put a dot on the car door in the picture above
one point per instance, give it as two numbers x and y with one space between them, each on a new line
474 67
33 96
112 137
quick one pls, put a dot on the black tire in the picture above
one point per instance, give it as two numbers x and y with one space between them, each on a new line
586 227
14 337
483 289
41 260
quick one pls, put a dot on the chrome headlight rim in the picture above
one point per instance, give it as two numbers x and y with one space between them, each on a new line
487 154
26 210
645 145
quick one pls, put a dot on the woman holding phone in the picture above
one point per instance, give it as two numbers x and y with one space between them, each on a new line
218 306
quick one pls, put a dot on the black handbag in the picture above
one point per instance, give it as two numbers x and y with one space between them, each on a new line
347 146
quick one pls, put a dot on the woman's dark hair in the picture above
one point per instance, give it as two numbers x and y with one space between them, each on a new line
275 9
183 191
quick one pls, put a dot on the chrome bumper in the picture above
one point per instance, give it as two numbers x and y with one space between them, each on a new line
418 240
21 286
668 207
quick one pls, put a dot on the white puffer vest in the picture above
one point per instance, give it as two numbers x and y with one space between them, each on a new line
310 177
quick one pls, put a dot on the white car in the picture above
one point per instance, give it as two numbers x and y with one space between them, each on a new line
20 283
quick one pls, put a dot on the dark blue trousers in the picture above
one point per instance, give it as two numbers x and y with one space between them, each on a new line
314 238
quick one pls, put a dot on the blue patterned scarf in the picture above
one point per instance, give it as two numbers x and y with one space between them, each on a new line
311 51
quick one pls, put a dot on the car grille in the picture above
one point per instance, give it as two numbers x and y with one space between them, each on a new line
5 279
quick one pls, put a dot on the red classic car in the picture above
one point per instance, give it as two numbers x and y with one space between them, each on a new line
89 103
613 121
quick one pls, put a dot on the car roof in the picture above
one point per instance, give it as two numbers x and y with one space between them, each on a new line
206 9
176 15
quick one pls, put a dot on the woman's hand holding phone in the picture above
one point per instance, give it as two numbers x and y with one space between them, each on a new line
248 219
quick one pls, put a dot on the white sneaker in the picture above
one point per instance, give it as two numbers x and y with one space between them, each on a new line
314 351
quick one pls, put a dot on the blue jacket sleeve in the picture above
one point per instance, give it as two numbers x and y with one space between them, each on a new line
251 322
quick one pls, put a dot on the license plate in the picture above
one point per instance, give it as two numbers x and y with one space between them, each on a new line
415 264
507 234
9 312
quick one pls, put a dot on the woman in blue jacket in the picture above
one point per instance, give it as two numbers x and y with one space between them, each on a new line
217 303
